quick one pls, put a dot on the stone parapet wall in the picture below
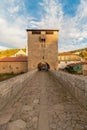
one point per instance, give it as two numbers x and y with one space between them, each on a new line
84 68
76 85
11 87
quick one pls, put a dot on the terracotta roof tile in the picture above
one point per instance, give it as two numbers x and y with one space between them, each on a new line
67 54
15 59
79 63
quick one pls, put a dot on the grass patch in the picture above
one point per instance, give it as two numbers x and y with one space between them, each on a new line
8 76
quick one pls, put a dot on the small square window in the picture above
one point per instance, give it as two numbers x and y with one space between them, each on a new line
10 67
17 67
49 32
43 57
36 32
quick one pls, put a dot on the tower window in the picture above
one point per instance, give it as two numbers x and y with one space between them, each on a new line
43 45
10 66
36 32
17 67
49 32
43 57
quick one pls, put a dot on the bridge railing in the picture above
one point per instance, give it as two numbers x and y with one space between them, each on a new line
11 87
76 85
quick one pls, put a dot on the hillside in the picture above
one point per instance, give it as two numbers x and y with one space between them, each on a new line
9 52
81 52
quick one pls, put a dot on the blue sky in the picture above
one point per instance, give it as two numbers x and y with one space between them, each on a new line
69 16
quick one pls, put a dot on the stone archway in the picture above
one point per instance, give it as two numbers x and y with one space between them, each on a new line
43 66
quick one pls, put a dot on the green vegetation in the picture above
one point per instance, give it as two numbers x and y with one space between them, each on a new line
82 53
9 52
77 69
79 50
8 76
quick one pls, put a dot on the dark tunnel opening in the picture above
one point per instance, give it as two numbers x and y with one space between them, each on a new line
43 66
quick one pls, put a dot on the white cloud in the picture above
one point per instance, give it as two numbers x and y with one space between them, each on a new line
53 14
14 9
12 35
3 48
73 29
13 28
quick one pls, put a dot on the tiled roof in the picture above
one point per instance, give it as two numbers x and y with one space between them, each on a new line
66 54
42 30
79 63
15 59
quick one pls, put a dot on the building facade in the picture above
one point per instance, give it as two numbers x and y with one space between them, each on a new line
66 58
42 48
85 69
13 64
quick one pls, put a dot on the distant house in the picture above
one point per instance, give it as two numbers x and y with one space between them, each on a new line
19 53
80 67
77 53
74 67
85 69
66 58
14 64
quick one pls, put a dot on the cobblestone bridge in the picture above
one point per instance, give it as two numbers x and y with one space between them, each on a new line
43 103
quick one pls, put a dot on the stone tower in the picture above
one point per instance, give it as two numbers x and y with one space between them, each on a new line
42 48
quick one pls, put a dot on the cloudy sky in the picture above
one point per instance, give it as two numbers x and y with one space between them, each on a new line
69 16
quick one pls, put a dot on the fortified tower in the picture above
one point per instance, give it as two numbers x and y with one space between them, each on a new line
42 48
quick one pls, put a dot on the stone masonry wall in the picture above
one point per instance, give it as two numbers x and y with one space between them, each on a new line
11 87
84 68
15 67
36 51
77 85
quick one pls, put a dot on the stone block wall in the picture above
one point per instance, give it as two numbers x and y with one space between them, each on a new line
84 69
42 51
15 67
11 87
76 85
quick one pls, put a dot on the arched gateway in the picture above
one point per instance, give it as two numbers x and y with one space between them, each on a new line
42 49
43 66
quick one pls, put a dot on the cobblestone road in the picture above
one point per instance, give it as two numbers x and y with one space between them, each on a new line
44 104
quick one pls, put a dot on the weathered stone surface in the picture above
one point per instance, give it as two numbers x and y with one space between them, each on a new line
10 88
57 108
77 85
35 119
36 101
21 65
17 125
27 108
6 116
36 51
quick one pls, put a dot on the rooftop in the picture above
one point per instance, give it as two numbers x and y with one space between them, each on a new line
66 54
79 63
15 59
42 30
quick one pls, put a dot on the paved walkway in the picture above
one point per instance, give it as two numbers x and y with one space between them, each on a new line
44 104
